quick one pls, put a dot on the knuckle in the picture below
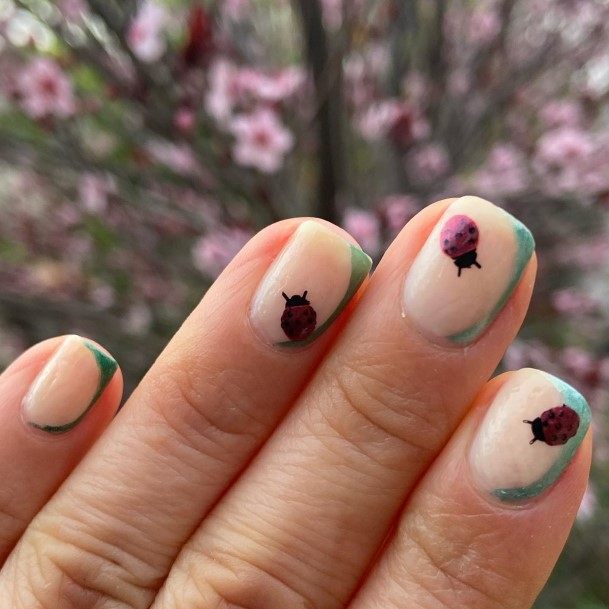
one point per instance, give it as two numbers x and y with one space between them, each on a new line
223 580
388 409
456 574
209 411
61 564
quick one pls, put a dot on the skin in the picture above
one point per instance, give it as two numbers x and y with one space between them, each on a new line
242 475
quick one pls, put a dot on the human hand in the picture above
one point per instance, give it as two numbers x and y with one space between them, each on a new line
357 456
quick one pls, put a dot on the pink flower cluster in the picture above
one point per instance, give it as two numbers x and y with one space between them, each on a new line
212 252
246 103
45 90
146 34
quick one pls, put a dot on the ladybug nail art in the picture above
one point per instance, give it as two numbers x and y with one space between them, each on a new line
555 426
299 317
459 239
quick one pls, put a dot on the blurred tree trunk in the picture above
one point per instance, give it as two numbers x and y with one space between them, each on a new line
328 97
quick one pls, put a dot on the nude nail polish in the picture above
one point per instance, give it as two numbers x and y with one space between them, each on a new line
68 386
528 436
466 271
312 280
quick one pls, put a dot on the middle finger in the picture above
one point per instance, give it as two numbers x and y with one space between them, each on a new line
299 528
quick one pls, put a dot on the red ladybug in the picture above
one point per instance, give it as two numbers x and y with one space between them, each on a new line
555 426
459 239
299 317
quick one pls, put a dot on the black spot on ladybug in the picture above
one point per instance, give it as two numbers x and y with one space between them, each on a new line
546 426
459 239
299 317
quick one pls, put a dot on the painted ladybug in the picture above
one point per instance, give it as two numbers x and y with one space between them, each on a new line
555 426
299 317
459 239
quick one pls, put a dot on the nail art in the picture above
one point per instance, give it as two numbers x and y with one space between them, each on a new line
68 386
459 240
490 250
528 436
308 285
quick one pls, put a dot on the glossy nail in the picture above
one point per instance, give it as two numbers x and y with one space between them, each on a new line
308 285
528 436
466 270
68 385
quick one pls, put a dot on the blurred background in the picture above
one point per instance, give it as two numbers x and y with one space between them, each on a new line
142 143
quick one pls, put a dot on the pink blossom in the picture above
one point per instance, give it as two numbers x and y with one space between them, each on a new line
578 361
223 90
571 160
146 32
94 190
428 163
571 302
102 295
45 89
138 319
262 140
235 10
534 353
588 505
212 252
271 88
561 113
503 173
484 25
397 210
364 227
73 10
185 119
376 121
179 158
561 146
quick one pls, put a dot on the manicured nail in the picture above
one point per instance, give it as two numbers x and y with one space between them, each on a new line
309 284
67 387
466 270
528 436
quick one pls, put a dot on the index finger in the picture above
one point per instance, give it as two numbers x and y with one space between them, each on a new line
211 399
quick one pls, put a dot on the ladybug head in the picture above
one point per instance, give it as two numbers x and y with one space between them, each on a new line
537 429
296 300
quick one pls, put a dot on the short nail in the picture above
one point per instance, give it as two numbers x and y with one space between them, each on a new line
307 286
69 384
528 436
466 270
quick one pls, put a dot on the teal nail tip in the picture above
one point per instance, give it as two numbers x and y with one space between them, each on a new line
577 402
361 264
525 248
107 367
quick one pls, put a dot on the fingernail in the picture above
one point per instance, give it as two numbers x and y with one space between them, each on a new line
67 387
528 436
466 270
307 286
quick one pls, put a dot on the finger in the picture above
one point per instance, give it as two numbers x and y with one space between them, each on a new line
214 395
312 510
488 522
55 400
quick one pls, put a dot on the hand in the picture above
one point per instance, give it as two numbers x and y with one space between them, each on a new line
338 446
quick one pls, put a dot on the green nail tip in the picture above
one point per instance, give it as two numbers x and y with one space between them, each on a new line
575 400
107 367
525 248
361 264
